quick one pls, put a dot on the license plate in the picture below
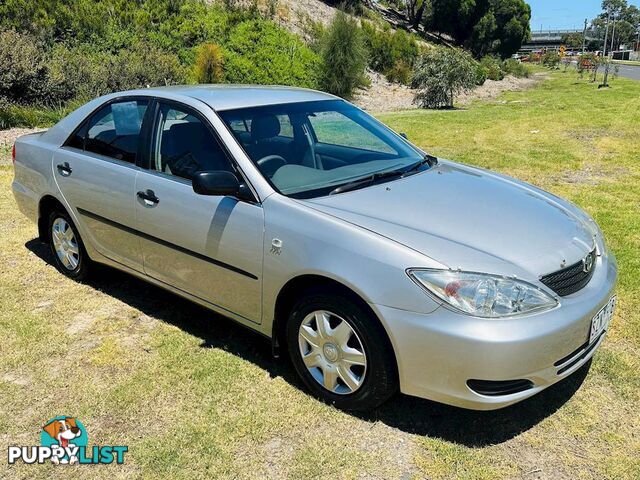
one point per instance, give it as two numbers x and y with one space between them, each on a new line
600 321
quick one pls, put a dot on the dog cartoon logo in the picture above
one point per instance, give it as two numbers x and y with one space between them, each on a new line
63 441
68 434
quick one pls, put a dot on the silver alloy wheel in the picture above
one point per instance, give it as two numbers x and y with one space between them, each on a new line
332 352
65 243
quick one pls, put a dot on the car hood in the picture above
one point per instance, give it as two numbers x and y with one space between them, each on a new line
470 219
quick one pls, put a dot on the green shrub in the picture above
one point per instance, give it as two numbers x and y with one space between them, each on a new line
378 46
344 57
84 73
23 75
19 116
481 74
388 48
513 67
590 63
550 59
144 65
209 64
261 52
492 67
399 73
441 74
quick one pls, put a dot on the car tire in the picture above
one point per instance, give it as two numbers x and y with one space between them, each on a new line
323 360
69 255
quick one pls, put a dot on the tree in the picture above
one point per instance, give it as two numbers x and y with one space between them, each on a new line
482 35
456 17
441 74
344 56
627 23
415 11
482 26
572 40
512 25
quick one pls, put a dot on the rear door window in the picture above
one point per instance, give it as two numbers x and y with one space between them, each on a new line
114 131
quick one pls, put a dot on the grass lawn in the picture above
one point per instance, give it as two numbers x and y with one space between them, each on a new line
195 396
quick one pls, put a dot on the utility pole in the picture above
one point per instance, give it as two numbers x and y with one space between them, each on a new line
613 33
606 66
584 36
606 36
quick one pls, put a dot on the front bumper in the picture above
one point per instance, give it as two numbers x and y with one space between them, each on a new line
438 353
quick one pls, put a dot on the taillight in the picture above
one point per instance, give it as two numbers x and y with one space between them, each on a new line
13 153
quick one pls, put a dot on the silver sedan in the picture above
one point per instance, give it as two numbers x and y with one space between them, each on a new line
375 265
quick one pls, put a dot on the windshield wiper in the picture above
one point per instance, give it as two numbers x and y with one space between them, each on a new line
368 180
426 160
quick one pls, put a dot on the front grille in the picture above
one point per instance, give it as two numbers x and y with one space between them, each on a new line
570 279
496 388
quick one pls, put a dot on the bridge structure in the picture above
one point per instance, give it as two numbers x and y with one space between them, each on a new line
550 39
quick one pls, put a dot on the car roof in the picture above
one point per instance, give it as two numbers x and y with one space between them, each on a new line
227 97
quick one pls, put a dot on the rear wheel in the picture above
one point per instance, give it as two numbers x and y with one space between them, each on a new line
341 353
69 254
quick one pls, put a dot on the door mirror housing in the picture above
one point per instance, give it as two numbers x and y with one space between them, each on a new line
216 182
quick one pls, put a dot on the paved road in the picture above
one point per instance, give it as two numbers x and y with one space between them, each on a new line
629 71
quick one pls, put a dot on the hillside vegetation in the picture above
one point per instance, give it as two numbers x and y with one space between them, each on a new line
58 54
58 51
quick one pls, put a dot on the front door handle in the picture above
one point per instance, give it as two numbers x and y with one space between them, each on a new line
149 198
64 169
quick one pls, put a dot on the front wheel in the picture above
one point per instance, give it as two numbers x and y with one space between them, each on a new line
68 251
341 353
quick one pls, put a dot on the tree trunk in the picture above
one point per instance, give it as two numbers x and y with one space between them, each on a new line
417 15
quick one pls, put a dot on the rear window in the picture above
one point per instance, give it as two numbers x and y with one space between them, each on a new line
113 131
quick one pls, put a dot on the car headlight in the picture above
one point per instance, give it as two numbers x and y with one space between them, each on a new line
481 294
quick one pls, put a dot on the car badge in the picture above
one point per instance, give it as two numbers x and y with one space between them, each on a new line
276 246
587 263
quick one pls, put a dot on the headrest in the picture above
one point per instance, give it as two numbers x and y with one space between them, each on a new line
264 126
188 132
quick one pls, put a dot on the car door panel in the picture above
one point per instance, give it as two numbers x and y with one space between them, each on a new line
100 192
96 169
208 246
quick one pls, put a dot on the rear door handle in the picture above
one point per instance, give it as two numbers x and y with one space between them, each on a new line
64 169
149 198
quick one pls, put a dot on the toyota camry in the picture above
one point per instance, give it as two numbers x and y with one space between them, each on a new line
374 265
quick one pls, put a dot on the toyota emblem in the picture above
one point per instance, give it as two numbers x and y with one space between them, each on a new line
587 263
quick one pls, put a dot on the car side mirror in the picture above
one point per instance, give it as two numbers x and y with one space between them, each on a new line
216 182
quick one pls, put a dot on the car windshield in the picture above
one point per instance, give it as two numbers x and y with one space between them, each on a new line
310 149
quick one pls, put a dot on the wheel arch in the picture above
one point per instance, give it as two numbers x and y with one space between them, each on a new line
296 287
47 204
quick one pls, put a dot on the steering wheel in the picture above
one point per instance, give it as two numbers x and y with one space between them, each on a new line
270 164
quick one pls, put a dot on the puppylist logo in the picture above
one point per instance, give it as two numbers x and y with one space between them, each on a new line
64 441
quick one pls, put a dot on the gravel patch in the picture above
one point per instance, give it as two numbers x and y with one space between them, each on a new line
493 88
385 96
8 138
